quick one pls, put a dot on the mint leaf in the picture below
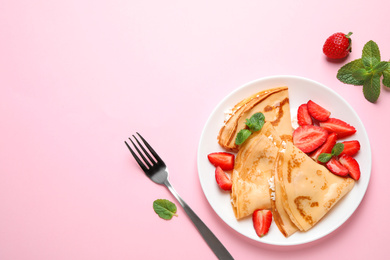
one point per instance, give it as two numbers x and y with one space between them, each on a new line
386 77
345 73
380 67
255 122
372 88
370 55
370 62
242 136
337 149
324 157
164 208
360 74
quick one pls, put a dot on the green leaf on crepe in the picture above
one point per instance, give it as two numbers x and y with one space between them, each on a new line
372 88
164 208
345 73
255 122
242 136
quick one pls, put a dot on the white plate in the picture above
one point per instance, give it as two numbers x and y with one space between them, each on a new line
301 90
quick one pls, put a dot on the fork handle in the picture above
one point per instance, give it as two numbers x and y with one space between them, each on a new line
213 242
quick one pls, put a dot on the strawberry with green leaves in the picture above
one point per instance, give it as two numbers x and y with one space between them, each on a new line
337 46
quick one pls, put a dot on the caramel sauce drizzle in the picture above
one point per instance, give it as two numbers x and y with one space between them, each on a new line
280 111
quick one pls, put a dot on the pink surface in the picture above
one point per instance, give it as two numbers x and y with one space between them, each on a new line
78 77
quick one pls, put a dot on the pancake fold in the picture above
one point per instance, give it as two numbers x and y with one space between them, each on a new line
273 103
308 189
253 169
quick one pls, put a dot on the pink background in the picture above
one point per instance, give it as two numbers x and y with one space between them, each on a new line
78 77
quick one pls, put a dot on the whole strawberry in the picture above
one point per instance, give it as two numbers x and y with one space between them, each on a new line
337 46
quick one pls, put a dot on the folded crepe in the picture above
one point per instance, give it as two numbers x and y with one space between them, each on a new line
281 217
273 103
252 171
308 190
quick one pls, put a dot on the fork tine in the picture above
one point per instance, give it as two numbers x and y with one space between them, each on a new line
143 167
140 153
145 152
151 149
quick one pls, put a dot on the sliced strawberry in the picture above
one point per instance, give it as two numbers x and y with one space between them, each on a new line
222 159
222 179
262 219
341 128
303 116
336 167
352 165
309 137
326 147
351 147
317 112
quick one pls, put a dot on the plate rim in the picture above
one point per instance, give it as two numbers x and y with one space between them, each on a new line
285 77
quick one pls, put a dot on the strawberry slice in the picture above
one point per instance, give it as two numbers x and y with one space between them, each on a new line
222 179
317 112
309 137
262 219
336 167
326 147
351 147
341 128
352 165
222 159
303 116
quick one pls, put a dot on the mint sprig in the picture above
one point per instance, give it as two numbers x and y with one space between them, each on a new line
336 151
253 124
242 136
164 208
367 72
386 77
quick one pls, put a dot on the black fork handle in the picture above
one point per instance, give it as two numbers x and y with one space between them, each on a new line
213 242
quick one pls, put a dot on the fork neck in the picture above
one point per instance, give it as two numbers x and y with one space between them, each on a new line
174 192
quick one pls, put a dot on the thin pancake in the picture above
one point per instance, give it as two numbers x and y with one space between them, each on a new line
252 171
273 103
309 190
281 217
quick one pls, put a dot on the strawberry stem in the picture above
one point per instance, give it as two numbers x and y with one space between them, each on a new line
350 41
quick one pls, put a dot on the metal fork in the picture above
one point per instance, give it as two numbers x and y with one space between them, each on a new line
157 171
